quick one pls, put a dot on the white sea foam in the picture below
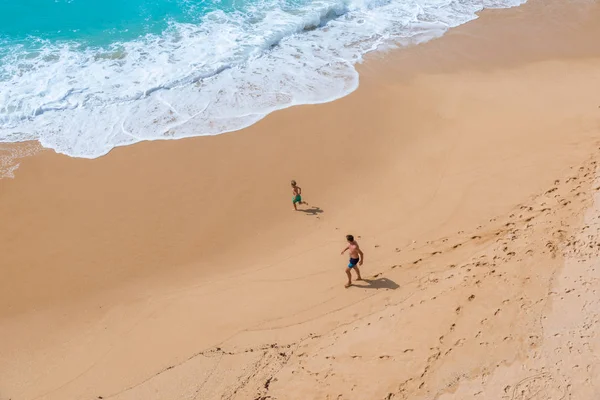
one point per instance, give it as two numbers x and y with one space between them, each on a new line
10 155
222 74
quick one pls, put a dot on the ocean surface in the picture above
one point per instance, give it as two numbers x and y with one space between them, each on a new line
85 76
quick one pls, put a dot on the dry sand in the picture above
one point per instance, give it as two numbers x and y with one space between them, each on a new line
465 166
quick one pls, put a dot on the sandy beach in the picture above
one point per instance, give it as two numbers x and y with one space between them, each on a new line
467 169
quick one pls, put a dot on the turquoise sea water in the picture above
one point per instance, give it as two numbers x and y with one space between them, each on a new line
84 76
93 21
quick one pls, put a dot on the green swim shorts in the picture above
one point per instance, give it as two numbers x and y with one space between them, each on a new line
297 199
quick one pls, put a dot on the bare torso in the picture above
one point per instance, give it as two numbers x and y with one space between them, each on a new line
353 248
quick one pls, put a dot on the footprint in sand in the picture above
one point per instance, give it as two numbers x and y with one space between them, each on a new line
539 387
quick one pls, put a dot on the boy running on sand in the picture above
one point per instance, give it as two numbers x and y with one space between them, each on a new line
356 258
297 193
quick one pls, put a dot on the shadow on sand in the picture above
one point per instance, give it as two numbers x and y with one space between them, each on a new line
311 211
379 283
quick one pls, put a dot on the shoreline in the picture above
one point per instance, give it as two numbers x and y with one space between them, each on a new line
415 60
295 61
189 249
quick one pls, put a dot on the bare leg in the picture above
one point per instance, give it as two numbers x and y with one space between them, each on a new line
357 273
295 207
349 278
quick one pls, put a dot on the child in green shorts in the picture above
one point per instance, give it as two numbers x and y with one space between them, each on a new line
297 195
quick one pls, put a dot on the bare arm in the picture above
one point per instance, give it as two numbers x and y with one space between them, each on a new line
343 251
361 255
299 190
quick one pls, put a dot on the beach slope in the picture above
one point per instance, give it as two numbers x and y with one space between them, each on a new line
466 168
